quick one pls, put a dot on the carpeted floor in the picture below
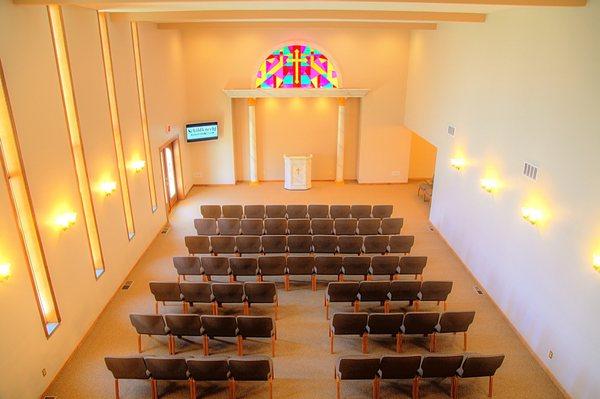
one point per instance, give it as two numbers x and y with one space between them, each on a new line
303 365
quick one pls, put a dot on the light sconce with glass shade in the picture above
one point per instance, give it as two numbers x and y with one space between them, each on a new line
490 185
458 163
108 187
532 215
5 271
65 220
138 165
596 262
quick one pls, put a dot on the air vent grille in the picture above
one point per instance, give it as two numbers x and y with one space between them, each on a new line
530 170
451 130
127 285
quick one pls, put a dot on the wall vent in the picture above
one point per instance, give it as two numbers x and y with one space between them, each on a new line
451 130
127 285
478 290
530 170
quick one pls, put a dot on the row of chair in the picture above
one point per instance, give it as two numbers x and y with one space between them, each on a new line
400 324
191 370
286 266
355 292
283 226
416 368
330 244
205 326
215 294
296 211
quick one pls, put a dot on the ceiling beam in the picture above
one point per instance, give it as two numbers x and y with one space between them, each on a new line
300 16
304 25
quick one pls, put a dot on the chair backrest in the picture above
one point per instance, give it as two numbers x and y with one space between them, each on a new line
476 365
420 322
384 265
299 244
275 226
149 324
212 368
206 226
252 227
321 226
187 265
184 324
440 366
350 244
228 292
399 367
254 211
405 290
328 265
300 265
376 244
196 292
435 290
401 244
451 322
342 291
243 266
298 226
232 211
347 323
167 368
382 211
255 326
325 244
345 226
374 291
215 265
357 367
273 244
248 244
223 244
297 211
339 211
318 211
369 226
276 211
229 226
197 244
360 211
384 323
260 292
219 326
272 265
165 291
210 211
412 264
391 226
251 368
127 367
356 265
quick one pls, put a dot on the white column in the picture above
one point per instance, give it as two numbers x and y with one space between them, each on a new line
339 170
252 140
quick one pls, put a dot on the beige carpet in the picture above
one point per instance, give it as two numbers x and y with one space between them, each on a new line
303 365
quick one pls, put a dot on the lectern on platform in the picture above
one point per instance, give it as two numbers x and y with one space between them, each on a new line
297 172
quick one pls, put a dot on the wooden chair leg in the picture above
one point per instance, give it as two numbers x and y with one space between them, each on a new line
445 306
205 339
399 342
452 386
286 282
375 388
455 388
338 388
331 343
190 387
154 386
416 305
185 308
416 394
326 310
313 282
491 386
276 308
273 346
117 396
240 345
465 341
356 306
432 342
171 343
232 388
365 343
139 343
270 388
386 307
155 307
246 308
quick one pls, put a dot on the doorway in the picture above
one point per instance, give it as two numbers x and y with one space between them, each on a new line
170 159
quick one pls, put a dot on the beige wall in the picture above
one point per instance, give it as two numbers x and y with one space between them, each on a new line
31 76
522 86
422 158
229 56
282 127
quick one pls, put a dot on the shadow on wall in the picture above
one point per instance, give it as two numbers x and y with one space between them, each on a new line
422 158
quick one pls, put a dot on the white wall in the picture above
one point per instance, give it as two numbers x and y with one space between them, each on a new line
523 86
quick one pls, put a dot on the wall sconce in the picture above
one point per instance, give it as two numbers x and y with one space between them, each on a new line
596 262
66 220
108 187
5 272
532 215
138 165
489 185
458 163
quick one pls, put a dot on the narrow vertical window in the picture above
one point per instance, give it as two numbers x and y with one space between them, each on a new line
68 96
116 126
14 174
142 101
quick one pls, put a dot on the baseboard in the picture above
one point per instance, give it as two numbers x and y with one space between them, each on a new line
510 323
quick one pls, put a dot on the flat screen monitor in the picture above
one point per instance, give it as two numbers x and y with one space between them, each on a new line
201 131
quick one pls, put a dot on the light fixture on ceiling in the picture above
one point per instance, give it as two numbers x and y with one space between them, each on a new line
490 185
5 271
108 187
596 262
138 165
66 220
458 163
532 215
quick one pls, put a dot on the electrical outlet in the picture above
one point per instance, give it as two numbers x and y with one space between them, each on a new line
550 354
44 372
